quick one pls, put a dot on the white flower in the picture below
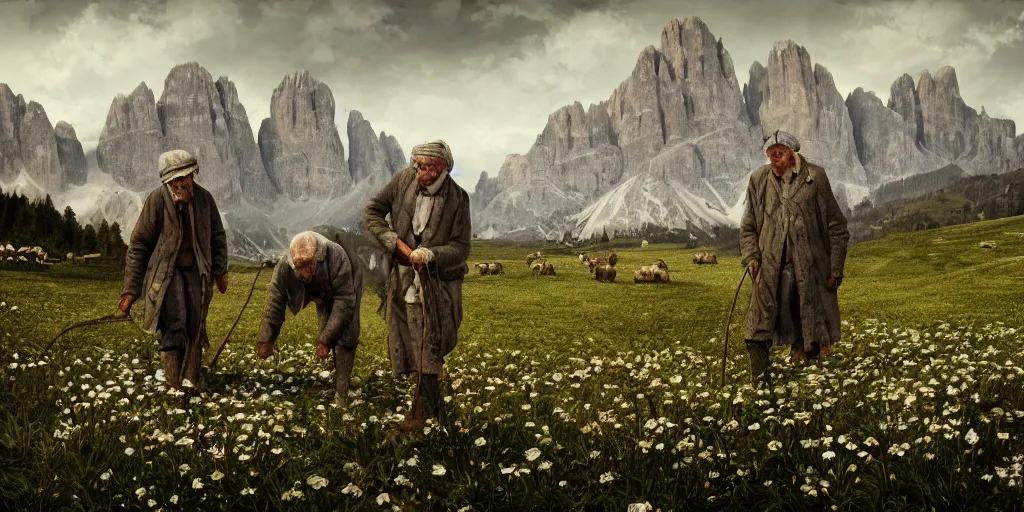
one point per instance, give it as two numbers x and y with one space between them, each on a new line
508 470
607 477
106 474
184 468
544 466
532 454
563 483
439 470
244 457
325 374
140 492
197 483
129 451
480 441
383 498
971 437
1003 435
828 455
774 445
217 475
353 490
151 503
174 499
248 491
639 507
316 482
755 426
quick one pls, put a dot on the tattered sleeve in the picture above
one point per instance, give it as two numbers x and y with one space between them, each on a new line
456 251
218 243
749 248
376 212
835 221
344 303
277 300
141 244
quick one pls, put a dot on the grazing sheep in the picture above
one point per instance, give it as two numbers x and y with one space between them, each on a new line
530 258
705 257
656 273
594 262
604 273
483 268
495 268
541 267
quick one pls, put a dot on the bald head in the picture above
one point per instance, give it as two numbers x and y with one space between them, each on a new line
303 255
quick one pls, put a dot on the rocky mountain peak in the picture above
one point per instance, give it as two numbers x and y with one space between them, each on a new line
70 154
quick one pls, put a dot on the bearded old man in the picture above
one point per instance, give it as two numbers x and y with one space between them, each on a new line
320 271
427 244
793 238
177 249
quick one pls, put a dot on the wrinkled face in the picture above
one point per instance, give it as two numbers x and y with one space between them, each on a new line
181 189
305 267
781 157
428 168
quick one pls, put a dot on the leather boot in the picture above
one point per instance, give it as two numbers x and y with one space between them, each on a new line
431 397
414 420
192 364
171 360
759 364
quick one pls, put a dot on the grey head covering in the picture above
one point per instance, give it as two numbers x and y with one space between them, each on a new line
780 137
438 149
175 164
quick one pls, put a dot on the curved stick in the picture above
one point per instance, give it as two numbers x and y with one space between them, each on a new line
109 319
227 337
725 351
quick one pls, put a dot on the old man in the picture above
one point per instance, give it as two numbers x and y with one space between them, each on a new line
793 239
320 271
177 250
427 243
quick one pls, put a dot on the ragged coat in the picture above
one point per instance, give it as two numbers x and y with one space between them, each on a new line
819 242
153 248
448 234
336 288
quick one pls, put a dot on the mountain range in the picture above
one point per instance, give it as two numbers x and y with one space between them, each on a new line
672 147
674 144
295 168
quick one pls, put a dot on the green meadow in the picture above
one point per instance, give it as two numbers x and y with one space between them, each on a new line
565 394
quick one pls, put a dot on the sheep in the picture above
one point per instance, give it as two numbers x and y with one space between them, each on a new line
604 273
643 243
656 273
483 268
594 262
705 257
540 267
530 258
490 268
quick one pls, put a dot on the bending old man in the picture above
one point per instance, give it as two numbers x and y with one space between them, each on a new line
320 271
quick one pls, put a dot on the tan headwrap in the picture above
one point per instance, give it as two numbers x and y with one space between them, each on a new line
438 149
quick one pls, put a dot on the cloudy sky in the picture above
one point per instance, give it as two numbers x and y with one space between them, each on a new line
481 74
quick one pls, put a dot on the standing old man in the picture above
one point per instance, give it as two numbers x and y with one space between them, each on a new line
793 238
427 243
321 271
178 247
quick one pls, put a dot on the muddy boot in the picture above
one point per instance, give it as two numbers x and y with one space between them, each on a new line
171 360
431 397
343 359
759 375
192 365
414 419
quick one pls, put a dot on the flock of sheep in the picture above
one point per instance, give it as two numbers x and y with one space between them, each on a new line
602 268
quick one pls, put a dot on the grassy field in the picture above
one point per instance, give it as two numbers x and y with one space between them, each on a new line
565 394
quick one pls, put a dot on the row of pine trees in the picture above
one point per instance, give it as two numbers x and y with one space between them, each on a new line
39 223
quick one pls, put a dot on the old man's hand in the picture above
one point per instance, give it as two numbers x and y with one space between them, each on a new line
421 256
834 282
126 303
222 283
265 350
322 351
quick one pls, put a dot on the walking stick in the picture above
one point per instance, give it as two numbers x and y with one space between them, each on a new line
423 340
725 351
108 319
227 337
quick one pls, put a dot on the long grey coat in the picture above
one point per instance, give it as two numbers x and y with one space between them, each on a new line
153 247
821 240
338 274
448 234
